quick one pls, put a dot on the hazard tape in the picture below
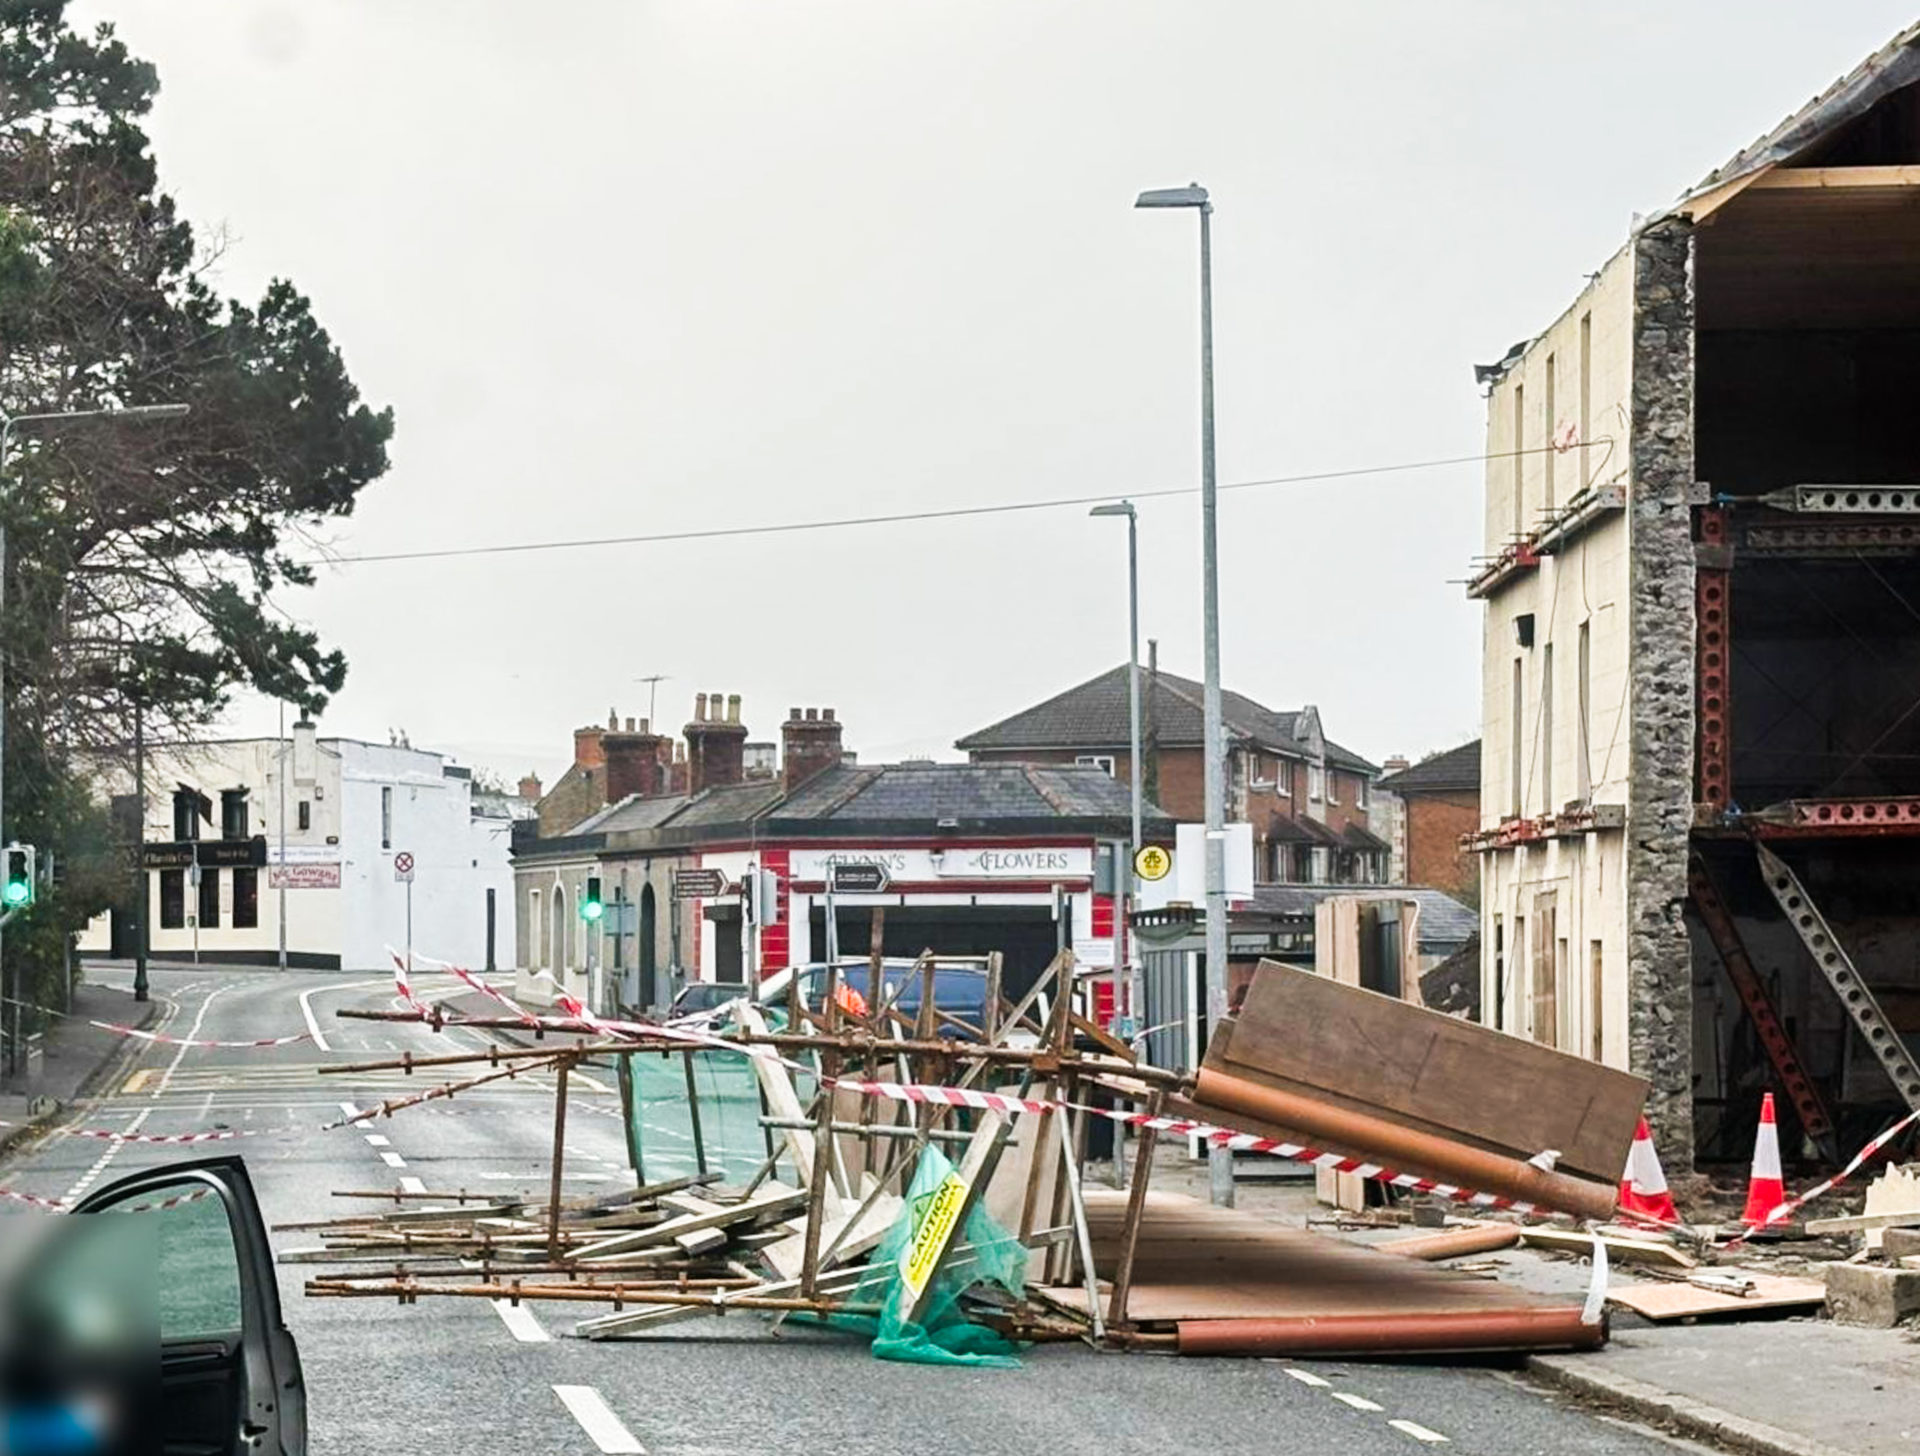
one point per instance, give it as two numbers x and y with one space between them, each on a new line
943 1096
188 1041
33 1200
56 1205
1875 1145
107 1135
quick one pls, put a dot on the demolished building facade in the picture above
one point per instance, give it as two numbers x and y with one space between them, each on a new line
1702 591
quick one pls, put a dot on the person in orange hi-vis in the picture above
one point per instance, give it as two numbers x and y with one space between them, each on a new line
850 1000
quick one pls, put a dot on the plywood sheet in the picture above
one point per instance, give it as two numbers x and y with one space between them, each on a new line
1683 1301
1357 1049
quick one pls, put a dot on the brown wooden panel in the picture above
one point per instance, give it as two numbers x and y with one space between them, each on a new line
1302 1033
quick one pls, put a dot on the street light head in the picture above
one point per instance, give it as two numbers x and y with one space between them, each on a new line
151 411
1192 195
1114 508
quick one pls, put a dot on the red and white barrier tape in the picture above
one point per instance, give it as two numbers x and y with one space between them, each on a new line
188 1041
1874 1146
944 1096
106 1135
55 1205
33 1200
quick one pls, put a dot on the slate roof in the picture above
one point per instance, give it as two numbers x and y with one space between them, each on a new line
1455 769
1093 715
1444 926
971 793
632 812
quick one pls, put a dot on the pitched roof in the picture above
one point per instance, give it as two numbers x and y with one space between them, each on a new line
632 812
1456 768
1094 715
968 792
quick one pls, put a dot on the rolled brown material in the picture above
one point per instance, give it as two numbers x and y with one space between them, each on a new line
1479 1238
1553 1328
1358 1134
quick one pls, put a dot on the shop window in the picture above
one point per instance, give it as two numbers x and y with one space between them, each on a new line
173 899
246 898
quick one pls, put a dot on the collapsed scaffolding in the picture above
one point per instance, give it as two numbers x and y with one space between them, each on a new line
924 1179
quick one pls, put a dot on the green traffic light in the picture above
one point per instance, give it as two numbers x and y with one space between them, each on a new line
17 892
591 910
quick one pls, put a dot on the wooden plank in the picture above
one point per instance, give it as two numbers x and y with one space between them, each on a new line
1859 1222
778 1201
789 1253
1624 1251
1366 1052
1902 175
1686 1301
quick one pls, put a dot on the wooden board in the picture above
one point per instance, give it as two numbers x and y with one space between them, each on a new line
1684 1301
1621 1251
1371 1053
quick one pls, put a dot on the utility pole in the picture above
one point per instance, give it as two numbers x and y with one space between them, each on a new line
282 912
140 847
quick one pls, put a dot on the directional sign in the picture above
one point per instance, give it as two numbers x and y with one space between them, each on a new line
403 868
858 879
1152 862
699 884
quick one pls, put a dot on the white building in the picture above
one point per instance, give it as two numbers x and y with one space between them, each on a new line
213 831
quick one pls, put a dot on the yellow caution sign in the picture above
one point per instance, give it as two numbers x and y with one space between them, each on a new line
934 1220
1152 862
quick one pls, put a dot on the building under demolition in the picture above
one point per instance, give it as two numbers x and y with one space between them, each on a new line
1702 642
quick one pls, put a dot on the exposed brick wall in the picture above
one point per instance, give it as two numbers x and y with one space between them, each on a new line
1435 859
579 793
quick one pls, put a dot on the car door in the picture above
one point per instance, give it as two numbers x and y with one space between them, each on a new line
230 1379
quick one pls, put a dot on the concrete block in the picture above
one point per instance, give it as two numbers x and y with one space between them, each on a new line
1901 1243
1876 1298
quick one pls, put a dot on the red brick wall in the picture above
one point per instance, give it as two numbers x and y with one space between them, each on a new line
1435 823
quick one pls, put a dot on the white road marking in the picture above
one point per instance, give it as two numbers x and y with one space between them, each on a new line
519 1319
1358 1402
393 1160
410 1184
1307 1377
87 1178
600 1423
349 1109
1416 1430
377 1140
306 1006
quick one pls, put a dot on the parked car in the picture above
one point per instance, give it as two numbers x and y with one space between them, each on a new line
959 991
179 1251
698 996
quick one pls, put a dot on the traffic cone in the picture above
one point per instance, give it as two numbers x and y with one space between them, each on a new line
1643 1187
1766 1188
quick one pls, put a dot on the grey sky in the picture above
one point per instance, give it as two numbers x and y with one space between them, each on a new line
624 266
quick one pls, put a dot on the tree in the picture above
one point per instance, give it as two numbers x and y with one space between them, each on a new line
143 560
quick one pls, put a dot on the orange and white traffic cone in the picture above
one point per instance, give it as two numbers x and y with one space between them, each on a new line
1643 1187
1766 1188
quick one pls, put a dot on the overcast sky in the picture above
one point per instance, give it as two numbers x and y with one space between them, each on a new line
623 266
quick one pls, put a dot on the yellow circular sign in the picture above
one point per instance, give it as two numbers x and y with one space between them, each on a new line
1152 862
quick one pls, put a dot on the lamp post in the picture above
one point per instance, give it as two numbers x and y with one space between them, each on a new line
1125 508
9 1011
1194 196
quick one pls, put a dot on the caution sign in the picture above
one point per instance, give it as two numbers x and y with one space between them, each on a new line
1152 862
934 1218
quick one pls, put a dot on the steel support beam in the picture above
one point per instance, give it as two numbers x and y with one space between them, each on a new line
1838 968
1713 758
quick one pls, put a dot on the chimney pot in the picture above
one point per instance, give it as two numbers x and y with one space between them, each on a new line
646 725
733 707
699 707
716 706
826 715
793 715
812 714
613 721
629 725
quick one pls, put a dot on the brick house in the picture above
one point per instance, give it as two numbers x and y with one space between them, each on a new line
1427 809
1307 798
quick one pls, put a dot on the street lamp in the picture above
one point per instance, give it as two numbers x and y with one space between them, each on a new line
1193 195
134 413
1125 508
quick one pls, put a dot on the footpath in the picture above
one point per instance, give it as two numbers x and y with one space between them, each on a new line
76 1058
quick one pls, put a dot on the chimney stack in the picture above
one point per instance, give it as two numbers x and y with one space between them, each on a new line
530 788
677 772
1396 764
633 763
809 745
716 743
586 747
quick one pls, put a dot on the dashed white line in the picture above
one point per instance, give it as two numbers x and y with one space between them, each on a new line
519 1319
1358 1402
378 1140
410 1184
1416 1430
393 1160
349 1109
1307 1377
602 1426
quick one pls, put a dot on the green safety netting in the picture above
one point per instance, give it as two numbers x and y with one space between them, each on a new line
983 1253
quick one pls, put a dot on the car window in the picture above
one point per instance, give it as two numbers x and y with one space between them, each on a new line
196 1262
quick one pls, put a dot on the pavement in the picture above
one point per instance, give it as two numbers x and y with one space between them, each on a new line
467 1377
77 1054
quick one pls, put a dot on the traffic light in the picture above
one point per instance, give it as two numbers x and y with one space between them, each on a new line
592 906
18 890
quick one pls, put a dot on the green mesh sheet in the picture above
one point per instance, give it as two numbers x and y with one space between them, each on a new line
713 1126
946 1336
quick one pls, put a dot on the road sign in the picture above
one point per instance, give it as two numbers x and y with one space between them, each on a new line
1152 862
857 879
699 884
403 867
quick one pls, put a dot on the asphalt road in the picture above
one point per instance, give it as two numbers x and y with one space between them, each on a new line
463 1378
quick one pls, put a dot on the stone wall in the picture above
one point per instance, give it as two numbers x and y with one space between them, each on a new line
1661 627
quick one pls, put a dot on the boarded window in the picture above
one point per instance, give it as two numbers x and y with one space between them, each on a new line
1596 991
1545 998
